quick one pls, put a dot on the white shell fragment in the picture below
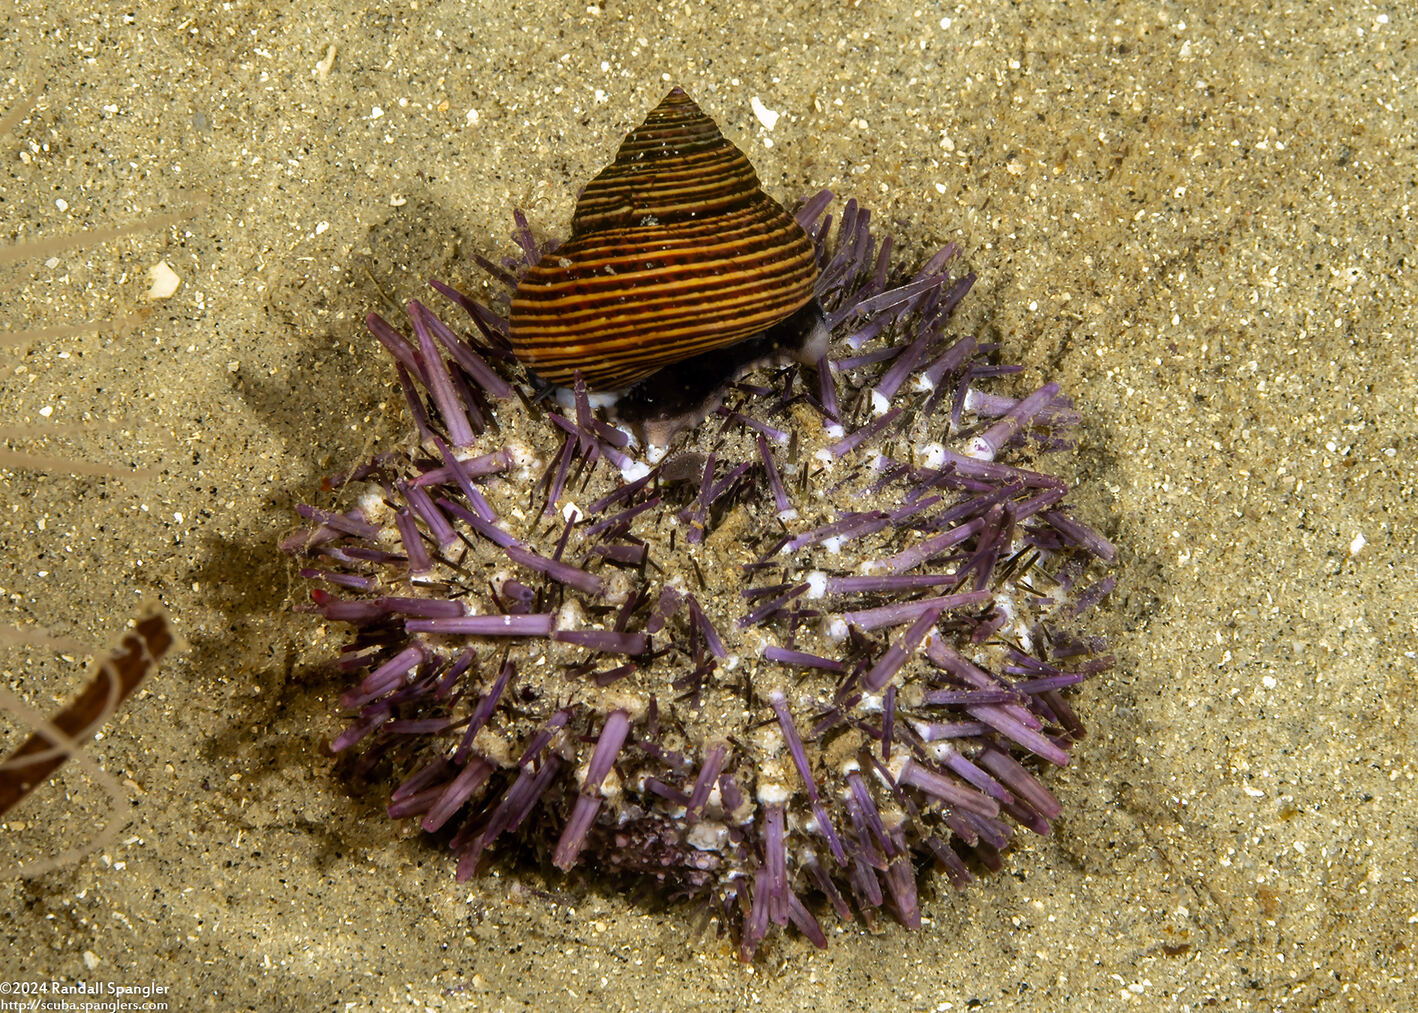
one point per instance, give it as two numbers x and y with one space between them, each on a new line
162 281
768 117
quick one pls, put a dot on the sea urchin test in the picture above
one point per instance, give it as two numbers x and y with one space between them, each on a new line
816 650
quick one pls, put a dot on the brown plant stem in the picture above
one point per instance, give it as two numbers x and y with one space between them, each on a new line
117 677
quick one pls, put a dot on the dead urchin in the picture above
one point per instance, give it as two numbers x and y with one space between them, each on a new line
818 646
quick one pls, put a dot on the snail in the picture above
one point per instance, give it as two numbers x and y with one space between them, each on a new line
675 251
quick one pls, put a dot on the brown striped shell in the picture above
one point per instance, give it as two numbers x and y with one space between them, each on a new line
675 250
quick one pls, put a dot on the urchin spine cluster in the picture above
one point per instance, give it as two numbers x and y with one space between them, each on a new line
852 776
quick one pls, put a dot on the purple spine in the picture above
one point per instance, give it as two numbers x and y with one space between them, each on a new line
573 837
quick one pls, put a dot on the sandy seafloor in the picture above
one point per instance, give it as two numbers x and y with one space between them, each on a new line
1201 224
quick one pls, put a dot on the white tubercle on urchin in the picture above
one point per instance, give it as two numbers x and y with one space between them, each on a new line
525 464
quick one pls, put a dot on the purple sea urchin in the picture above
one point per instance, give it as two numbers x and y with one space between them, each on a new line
821 645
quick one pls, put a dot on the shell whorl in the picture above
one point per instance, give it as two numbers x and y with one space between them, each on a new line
675 250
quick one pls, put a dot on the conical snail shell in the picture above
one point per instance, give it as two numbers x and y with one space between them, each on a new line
675 250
